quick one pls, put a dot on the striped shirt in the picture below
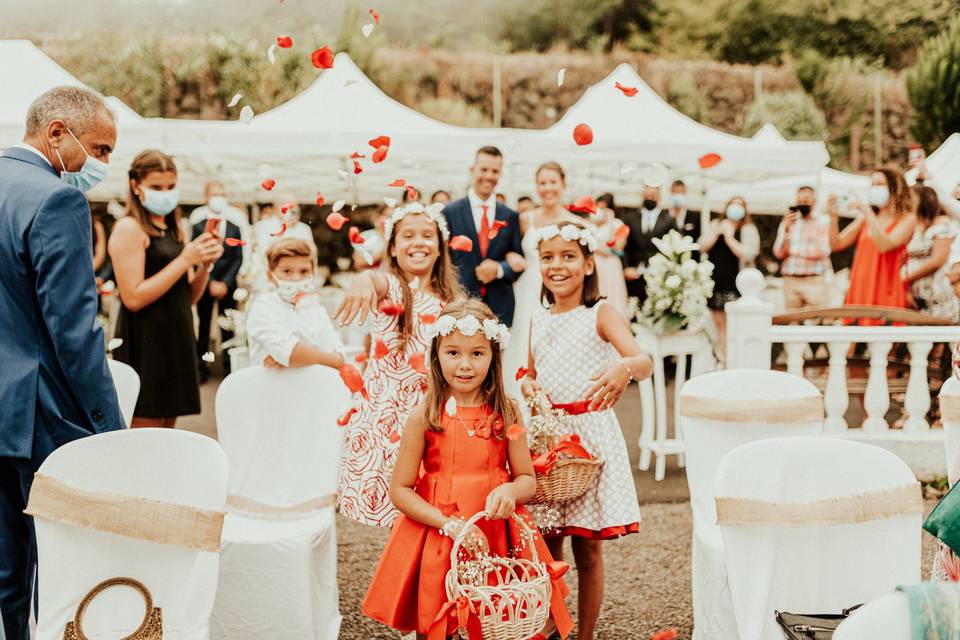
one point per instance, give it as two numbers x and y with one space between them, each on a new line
805 248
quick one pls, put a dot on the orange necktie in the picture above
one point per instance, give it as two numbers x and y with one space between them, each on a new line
484 238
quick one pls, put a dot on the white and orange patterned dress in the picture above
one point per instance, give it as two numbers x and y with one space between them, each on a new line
394 389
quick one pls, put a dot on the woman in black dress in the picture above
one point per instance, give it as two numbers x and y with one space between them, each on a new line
159 278
732 243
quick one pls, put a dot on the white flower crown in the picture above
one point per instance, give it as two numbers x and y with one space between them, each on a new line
434 212
570 233
468 326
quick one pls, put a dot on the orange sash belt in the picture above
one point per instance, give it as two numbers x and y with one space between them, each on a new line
577 408
569 444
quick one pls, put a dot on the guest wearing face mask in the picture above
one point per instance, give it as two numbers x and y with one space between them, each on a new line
881 230
221 285
284 223
731 243
645 225
803 244
287 326
159 278
216 204
686 221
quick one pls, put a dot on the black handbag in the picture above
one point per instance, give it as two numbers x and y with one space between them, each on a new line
799 626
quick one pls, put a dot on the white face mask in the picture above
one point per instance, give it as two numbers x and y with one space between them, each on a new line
878 195
291 291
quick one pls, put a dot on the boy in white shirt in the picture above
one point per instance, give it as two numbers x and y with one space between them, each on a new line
286 325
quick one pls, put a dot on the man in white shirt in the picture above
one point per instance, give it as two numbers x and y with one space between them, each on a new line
283 223
217 204
646 224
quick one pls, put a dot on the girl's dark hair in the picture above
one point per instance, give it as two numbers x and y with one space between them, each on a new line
492 389
144 164
608 198
443 280
928 204
591 283
900 195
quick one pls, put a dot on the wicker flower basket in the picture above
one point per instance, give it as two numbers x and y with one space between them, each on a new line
569 477
513 600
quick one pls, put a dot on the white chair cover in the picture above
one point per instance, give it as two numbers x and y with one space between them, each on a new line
127 382
863 506
886 618
278 574
950 413
720 412
158 464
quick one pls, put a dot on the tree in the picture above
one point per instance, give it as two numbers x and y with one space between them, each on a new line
933 86
793 113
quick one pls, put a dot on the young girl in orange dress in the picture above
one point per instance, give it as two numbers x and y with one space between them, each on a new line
403 301
583 355
881 230
468 438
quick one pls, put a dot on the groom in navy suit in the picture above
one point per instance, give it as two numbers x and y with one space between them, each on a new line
494 229
54 382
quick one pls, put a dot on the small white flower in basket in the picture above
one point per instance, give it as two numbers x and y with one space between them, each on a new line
509 597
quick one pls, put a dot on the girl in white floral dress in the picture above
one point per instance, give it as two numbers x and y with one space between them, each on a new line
583 355
403 300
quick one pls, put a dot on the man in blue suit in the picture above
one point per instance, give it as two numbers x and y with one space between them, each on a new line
484 271
54 382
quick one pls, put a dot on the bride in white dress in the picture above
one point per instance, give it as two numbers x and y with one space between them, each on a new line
550 180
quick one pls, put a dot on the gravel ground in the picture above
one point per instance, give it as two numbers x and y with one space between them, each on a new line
647 575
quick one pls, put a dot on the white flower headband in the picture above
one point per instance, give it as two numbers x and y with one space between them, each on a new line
570 233
434 212
469 325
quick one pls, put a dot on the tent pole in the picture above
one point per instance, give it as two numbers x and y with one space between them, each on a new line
497 97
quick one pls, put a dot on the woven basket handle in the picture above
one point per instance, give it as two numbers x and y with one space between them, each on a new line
462 536
103 586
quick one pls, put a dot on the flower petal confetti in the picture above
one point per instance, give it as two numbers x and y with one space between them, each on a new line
272 54
322 58
394 437
208 357
375 15
515 431
655 175
461 243
234 100
619 234
320 199
428 318
666 634
627 91
380 141
114 344
451 406
583 204
398 183
495 229
582 134
352 378
234 242
380 350
391 308
343 420
356 155
284 42
380 154
268 184
283 230
286 206
336 220
357 168
561 76
343 174
366 29
360 357
521 373
354 235
709 160
246 114
339 204
418 362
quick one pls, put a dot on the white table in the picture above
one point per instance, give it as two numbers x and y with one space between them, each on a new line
653 393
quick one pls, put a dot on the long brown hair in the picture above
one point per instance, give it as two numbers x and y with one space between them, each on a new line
928 204
900 195
443 280
144 164
493 392
591 282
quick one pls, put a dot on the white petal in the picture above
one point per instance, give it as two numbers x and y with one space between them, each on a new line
350 82
114 344
344 174
450 407
655 175
367 29
207 357
560 76
246 114
265 170
338 205
391 202
235 99
271 53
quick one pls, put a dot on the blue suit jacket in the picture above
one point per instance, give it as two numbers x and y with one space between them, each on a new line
499 293
54 382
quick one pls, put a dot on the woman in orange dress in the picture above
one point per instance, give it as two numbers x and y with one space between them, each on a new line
471 462
881 231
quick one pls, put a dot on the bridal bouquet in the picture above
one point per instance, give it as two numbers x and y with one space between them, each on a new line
678 287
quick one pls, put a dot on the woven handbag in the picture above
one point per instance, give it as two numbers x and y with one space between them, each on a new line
150 629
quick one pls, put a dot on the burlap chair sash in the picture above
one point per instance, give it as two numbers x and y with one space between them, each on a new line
782 411
128 516
853 509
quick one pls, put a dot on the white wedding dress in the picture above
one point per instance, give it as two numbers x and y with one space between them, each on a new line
526 291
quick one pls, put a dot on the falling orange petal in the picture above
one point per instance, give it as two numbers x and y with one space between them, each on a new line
461 243
583 204
582 134
708 160
336 220
234 242
380 141
418 362
495 229
627 91
322 58
268 184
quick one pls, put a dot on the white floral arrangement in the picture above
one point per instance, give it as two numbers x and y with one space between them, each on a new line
434 212
678 287
570 233
469 325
